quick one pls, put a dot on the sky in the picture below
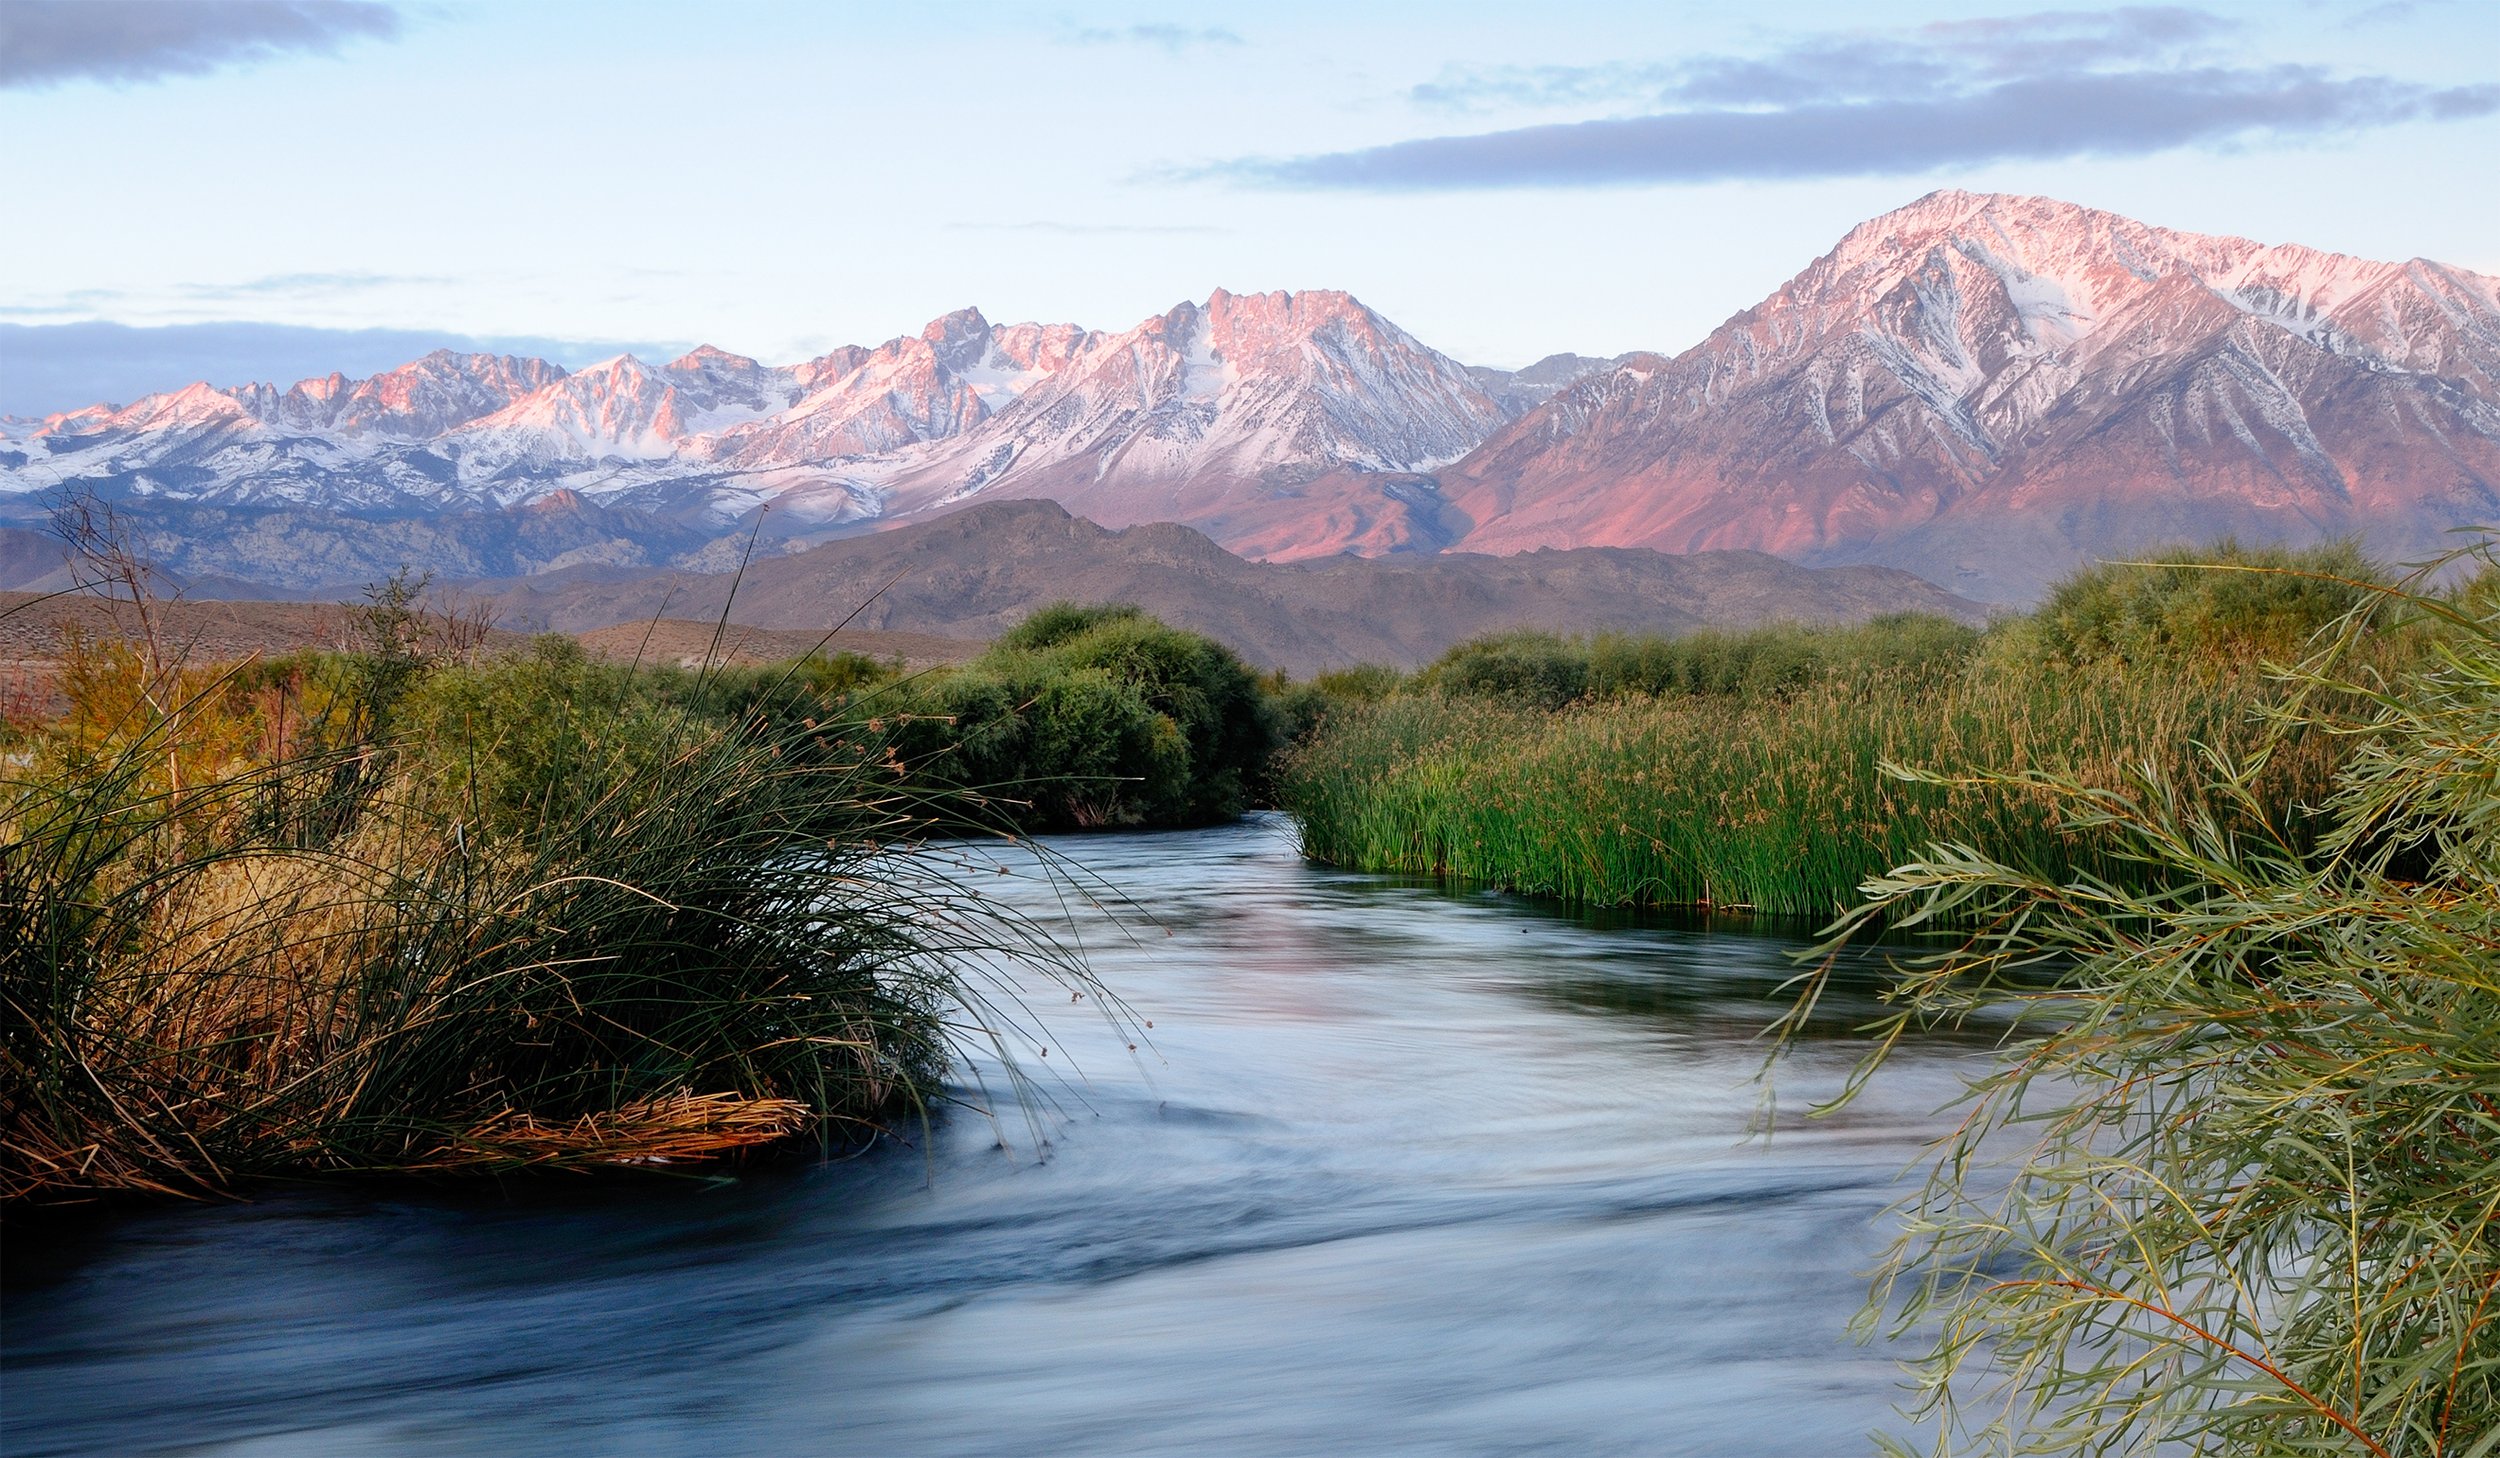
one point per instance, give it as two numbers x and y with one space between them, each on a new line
268 189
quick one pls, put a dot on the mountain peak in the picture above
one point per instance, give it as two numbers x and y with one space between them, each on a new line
1986 388
956 326
706 358
1983 387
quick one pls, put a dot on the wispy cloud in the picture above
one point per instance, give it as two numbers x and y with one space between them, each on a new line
184 297
2392 12
2062 84
309 283
1090 230
1173 38
53 42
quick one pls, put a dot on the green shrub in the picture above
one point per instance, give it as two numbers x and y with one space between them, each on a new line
1055 623
2227 603
1532 670
1086 717
1301 707
515 742
1781 659
1527 670
2250 1100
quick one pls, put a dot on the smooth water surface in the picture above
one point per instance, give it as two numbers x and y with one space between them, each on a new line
1396 1171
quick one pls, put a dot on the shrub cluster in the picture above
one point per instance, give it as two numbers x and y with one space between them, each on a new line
1543 671
1083 717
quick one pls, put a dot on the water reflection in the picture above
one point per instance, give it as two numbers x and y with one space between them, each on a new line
1399 1172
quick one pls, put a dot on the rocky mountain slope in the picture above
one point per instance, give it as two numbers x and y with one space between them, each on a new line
1988 389
1230 405
973 573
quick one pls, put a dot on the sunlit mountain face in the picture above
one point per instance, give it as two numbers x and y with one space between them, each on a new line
1984 389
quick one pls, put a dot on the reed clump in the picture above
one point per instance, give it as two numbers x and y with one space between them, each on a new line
1744 769
2233 1184
352 914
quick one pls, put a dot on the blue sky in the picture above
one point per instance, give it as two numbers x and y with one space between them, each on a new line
1505 180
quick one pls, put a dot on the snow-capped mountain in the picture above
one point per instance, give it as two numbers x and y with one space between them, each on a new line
1213 413
1241 393
1987 389
1981 388
340 442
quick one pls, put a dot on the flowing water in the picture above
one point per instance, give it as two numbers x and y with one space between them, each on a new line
1396 1171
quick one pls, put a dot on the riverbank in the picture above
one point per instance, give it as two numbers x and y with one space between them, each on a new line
1748 771
436 905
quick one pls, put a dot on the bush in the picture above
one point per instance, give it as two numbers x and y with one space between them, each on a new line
1302 707
1085 717
1526 670
2228 603
2250 1101
1541 671
1782 659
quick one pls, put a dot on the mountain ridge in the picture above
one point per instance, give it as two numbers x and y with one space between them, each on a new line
1983 388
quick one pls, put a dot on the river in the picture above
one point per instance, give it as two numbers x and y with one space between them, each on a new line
1397 1171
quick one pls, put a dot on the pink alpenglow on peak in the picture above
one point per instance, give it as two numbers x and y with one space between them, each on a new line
1982 388
1988 390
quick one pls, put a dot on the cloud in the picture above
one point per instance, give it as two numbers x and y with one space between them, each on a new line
2393 12
309 283
51 367
2028 87
1173 38
183 298
52 42
1090 230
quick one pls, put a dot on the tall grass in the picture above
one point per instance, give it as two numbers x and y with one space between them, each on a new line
2251 1099
1744 769
1775 805
548 920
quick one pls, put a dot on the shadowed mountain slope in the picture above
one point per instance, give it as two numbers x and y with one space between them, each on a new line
976 572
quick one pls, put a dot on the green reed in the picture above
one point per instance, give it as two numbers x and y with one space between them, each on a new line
1776 803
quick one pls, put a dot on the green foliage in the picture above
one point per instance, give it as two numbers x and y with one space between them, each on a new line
1302 707
2250 1101
1741 767
1053 624
831 675
1529 670
1090 717
1361 683
1775 804
516 742
1902 649
2224 603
